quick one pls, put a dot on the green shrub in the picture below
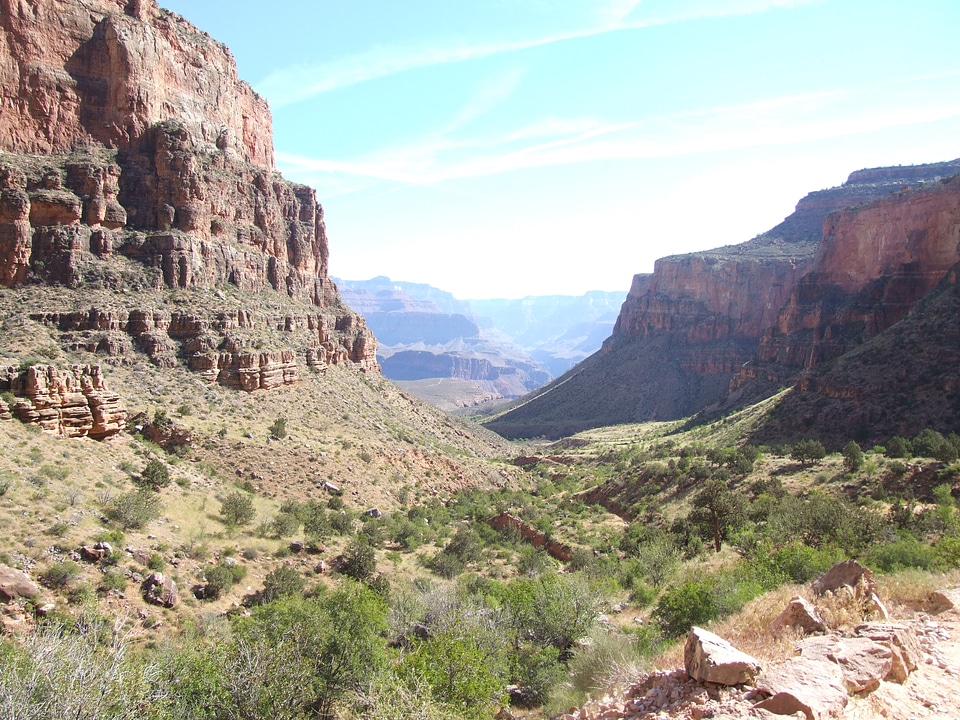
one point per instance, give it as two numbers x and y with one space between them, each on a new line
218 579
907 552
808 452
359 559
948 551
113 580
282 582
278 430
852 457
898 447
682 606
236 509
61 575
134 509
155 475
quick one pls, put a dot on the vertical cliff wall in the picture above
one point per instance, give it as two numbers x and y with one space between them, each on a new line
705 324
134 159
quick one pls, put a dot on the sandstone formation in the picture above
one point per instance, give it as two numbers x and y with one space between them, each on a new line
75 403
135 160
15 585
709 658
709 330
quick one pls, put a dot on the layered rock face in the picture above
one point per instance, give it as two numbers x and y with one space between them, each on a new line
75 403
706 324
873 264
135 159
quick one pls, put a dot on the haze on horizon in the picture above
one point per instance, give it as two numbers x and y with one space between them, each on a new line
522 147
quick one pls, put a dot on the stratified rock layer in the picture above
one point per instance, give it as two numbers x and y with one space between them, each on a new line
709 330
73 403
134 159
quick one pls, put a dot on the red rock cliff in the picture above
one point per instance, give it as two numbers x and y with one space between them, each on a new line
126 135
873 264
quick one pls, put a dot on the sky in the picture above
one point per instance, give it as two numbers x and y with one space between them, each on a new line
505 148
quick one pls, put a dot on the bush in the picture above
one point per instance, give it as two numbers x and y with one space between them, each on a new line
852 457
155 475
808 452
359 559
61 575
682 606
282 582
218 579
113 580
134 509
908 552
236 509
278 430
898 447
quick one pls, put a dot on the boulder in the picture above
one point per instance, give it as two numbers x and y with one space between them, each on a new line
902 642
160 590
848 573
801 684
942 601
863 662
800 615
710 658
15 585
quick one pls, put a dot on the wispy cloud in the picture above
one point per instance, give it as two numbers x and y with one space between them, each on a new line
290 85
557 141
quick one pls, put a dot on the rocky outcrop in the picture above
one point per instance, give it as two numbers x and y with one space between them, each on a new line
72 403
505 521
16 585
134 159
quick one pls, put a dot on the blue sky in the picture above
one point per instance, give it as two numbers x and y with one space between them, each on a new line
503 148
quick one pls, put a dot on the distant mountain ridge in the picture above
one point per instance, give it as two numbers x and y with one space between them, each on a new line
709 330
504 348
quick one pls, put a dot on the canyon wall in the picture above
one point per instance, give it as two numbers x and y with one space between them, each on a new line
134 160
847 264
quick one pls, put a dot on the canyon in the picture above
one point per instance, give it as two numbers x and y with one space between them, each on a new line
708 332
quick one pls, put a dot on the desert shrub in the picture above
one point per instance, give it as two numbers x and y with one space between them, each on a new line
464 667
236 509
341 522
6 482
218 579
907 552
535 671
157 561
800 563
359 559
282 582
155 475
808 451
133 510
642 595
285 524
930 443
249 553
682 606
552 609
278 429
948 551
898 447
113 580
852 457
60 575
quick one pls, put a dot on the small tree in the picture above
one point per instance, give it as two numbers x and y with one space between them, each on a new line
808 452
278 430
852 457
719 510
155 475
359 559
282 582
237 509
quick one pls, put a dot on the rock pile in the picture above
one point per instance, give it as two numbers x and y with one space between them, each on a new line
721 682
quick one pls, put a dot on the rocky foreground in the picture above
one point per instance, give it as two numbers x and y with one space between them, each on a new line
900 668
